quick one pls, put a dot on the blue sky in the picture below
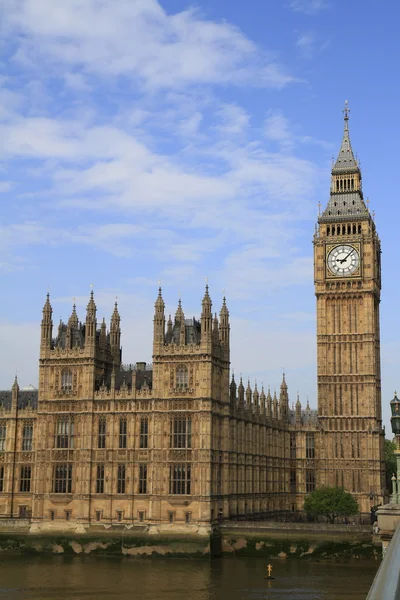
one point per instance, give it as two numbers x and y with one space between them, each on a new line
145 141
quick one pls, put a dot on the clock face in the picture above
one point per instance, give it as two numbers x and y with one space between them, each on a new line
343 260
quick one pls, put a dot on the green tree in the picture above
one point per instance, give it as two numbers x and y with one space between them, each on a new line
331 503
390 463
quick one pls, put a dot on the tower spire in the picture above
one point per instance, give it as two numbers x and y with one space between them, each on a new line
346 197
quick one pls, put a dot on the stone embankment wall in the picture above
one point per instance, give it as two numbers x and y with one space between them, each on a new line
266 540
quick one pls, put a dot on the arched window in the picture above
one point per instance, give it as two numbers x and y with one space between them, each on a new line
66 380
182 377
328 231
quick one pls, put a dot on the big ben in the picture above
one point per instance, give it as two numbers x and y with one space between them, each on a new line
347 276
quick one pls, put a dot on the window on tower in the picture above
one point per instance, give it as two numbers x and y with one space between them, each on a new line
66 381
181 433
310 445
27 437
101 439
182 377
64 437
3 431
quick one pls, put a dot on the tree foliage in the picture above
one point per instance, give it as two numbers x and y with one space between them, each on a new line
331 503
390 463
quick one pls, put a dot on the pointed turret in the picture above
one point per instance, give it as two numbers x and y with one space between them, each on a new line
224 326
169 334
206 318
256 399
275 409
248 396
159 322
269 404
180 322
346 199
232 391
14 394
47 325
73 321
115 335
241 395
298 410
103 334
215 330
91 323
263 399
284 400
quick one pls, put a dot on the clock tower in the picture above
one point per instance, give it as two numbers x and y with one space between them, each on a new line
347 277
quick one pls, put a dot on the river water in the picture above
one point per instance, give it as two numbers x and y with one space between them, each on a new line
104 578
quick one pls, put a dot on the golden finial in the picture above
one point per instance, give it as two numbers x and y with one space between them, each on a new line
319 208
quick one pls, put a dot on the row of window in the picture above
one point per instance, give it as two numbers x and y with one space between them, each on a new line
180 434
310 445
180 479
343 229
310 481
182 379
27 437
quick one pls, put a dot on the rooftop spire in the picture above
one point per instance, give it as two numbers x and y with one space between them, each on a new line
346 197
345 161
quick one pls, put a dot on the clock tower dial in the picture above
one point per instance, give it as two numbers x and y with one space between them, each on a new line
347 288
343 260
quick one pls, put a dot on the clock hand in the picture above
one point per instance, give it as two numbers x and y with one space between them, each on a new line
342 260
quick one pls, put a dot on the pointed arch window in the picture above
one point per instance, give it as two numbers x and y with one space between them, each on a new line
66 380
182 377
64 437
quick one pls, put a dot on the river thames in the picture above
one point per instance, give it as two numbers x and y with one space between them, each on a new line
106 578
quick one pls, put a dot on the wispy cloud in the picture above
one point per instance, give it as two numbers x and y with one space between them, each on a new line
138 39
309 7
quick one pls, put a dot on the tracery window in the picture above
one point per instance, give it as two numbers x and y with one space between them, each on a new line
101 438
142 479
121 481
182 377
1 479
310 445
25 479
310 481
62 479
65 433
27 437
122 432
292 445
180 479
181 433
100 479
66 380
144 433
3 433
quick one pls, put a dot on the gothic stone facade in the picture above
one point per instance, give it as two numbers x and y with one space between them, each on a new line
178 446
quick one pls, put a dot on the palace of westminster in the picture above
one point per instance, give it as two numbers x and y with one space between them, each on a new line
180 445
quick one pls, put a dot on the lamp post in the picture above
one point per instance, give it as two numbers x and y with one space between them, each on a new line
395 423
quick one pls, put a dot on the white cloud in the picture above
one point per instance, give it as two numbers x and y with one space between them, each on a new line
234 120
309 7
137 38
306 44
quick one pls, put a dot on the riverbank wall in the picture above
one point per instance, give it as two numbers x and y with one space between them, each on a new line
255 539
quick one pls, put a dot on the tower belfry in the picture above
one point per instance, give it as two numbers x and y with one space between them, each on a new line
347 287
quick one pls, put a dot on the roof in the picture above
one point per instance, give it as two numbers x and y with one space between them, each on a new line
343 205
26 398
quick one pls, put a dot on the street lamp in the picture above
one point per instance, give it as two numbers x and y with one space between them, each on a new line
395 423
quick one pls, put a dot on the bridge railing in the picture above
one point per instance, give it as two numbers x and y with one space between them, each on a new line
386 585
